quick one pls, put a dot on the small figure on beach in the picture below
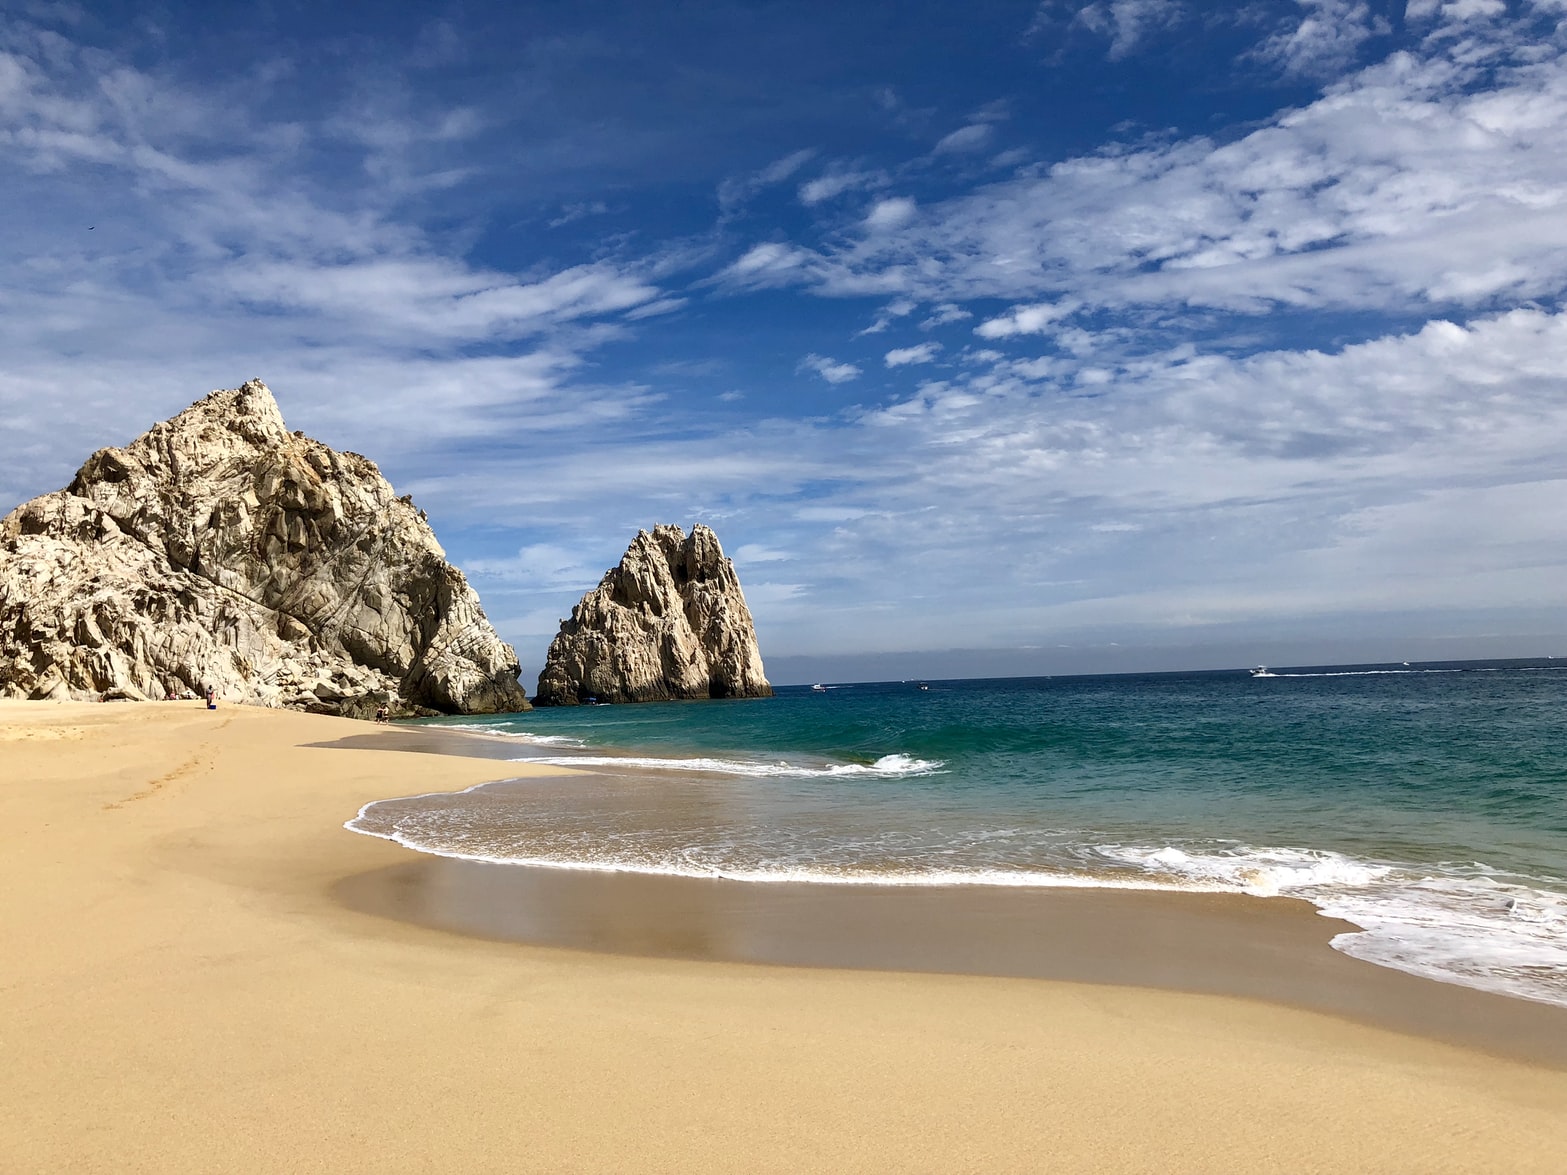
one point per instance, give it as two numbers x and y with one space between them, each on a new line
382 714
212 698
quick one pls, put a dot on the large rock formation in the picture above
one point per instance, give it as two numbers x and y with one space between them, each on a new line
669 622
221 550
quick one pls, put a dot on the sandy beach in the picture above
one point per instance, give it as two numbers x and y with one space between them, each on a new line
197 977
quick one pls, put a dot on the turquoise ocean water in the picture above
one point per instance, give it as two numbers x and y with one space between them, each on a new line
1426 804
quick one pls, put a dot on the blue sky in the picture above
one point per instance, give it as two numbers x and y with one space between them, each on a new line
1079 336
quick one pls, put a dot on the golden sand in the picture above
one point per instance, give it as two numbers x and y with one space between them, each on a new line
180 991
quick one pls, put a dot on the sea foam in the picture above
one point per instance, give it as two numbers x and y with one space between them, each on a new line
890 766
1459 925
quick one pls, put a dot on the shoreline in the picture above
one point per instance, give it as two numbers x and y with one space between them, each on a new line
183 990
1275 948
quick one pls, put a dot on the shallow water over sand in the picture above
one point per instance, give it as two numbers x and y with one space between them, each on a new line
1425 805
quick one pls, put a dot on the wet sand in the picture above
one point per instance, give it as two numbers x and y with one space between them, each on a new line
184 989
1273 949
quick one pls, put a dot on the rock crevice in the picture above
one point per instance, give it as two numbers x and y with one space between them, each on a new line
668 622
219 549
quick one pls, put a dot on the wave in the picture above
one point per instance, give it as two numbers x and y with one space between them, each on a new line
1407 671
542 740
1461 924
1457 924
1259 872
1364 673
888 766
365 824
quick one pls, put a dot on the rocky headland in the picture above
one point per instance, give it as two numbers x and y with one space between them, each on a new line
219 549
668 622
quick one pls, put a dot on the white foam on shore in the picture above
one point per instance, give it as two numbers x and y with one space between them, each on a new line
364 823
1463 926
542 740
890 766
1456 924
1260 872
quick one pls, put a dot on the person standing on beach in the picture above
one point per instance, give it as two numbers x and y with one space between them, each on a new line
212 698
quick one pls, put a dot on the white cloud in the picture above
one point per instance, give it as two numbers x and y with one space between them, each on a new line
1326 38
1437 180
906 356
176 245
1454 10
735 192
890 313
829 369
1128 23
943 314
428 297
770 263
835 183
973 137
890 214
654 309
542 567
1025 320
578 211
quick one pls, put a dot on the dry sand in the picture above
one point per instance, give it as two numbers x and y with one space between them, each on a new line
180 990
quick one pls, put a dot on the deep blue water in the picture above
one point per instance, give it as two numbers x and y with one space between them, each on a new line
1426 804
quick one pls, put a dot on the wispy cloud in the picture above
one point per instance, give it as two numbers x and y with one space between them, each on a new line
829 369
177 246
891 213
908 356
733 193
974 137
943 314
1125 24
1026 320
1410 182
1325 40
836 182
578 211
890 313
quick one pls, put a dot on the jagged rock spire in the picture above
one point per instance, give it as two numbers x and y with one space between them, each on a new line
669 621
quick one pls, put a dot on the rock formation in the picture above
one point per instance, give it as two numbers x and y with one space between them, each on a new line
221 550
669 622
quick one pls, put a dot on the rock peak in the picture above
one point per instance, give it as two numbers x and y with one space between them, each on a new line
668 621
220 549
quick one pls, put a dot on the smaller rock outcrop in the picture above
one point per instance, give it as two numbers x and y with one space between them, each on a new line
668 622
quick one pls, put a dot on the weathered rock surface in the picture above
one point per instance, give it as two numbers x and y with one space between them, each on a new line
669 622
220 549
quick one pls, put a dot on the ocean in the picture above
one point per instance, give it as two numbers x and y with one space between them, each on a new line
1425 804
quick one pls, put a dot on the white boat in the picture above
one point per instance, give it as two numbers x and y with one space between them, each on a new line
819 688
1262 671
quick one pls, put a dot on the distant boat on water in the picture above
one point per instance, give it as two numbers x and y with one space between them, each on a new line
1262 671
819 688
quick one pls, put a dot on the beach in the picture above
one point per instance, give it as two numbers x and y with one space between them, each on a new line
197 977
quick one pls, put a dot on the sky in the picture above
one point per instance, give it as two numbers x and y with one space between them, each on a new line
1022 337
